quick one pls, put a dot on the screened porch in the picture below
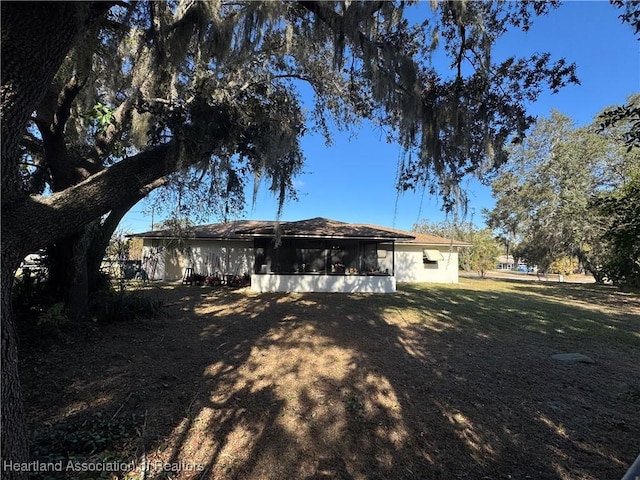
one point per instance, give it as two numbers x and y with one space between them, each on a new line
303 256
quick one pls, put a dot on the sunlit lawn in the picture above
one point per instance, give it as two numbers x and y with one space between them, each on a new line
561 315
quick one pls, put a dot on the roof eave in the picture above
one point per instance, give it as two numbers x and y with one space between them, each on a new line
324 237
433 244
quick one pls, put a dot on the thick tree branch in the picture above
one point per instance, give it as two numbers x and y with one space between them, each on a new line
110 224
67 211
63 171
63 108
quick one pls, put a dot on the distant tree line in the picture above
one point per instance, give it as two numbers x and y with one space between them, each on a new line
573 193
567 200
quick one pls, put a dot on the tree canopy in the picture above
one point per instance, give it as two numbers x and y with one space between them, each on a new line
546 197
214 87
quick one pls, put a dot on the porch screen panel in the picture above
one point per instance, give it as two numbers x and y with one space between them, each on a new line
311 256
343 256
370 258
263 255
385 257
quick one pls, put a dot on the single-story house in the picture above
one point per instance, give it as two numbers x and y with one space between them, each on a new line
314 255
507 262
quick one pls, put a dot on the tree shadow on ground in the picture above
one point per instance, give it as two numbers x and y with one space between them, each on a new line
432 382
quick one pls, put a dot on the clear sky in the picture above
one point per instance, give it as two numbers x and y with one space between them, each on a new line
354 179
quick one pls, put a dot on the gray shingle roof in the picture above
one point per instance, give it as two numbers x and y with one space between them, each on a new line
310 228
214 230
324 228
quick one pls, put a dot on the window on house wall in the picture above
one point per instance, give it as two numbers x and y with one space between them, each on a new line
431 257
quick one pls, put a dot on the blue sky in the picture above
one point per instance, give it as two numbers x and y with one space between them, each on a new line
354 179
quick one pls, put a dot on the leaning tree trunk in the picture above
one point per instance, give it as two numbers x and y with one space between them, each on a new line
78 295
101 234
36 36
14 445
59 265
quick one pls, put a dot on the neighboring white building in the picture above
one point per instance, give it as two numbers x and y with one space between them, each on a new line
317 254
507 262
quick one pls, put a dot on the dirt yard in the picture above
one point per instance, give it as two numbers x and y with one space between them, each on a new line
433 382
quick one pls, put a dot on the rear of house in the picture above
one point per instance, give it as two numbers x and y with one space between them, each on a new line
309 255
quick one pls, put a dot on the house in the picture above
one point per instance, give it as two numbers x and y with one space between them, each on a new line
507 262
313 255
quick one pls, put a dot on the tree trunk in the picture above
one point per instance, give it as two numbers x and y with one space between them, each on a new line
65 213
77 300
68 280
36 36
101 234
14 444
96 252
514 260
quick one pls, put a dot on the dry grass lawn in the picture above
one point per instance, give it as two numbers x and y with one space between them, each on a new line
434 382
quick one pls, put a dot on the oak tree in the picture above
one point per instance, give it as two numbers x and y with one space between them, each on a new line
545 194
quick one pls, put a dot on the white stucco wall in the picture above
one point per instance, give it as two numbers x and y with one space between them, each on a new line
206 257
237 257
411 268
322 283
153 257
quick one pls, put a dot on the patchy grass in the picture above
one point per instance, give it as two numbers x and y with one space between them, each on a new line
436 381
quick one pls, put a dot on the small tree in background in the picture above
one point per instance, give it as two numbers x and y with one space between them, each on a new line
480 257
484 252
